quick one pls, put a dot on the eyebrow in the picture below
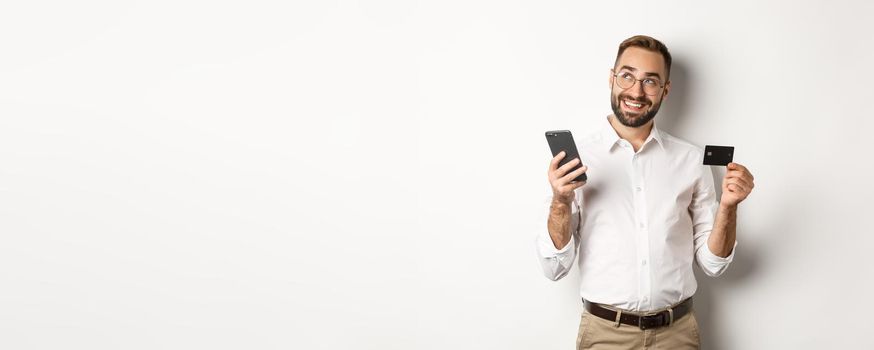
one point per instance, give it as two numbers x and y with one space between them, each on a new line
649 74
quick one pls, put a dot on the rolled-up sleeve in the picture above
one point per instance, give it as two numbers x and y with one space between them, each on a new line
703 212
556 263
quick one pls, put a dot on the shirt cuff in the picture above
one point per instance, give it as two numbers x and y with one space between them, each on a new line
713 259
547 248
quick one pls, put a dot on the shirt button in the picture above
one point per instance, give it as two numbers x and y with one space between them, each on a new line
641 225
638 189
643 263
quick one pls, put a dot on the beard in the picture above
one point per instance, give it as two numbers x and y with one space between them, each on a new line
637 120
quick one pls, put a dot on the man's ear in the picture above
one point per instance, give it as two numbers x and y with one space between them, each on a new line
610 80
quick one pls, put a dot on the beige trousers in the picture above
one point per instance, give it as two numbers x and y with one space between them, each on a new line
599 334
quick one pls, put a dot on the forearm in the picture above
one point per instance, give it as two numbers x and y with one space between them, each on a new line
559 223
724 232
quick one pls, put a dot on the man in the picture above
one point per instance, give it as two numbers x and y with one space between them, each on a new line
647 210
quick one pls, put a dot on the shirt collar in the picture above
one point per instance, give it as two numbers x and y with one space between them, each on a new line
611 138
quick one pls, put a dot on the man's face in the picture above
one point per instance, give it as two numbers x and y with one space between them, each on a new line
634 106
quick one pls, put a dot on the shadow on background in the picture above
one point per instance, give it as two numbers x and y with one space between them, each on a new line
673 110
707 306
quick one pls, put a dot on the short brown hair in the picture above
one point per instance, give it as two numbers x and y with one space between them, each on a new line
647 43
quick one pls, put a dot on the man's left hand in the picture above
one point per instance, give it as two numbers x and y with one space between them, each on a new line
736 185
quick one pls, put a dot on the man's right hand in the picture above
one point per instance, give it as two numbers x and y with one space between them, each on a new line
562 181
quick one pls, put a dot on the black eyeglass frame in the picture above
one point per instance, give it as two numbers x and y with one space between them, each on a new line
616 76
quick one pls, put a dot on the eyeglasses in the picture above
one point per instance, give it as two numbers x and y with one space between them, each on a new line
651 86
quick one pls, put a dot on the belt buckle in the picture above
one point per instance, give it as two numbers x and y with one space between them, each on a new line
642 317
640 321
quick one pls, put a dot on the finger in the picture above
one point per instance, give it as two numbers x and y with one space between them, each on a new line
561 181
740 175
573 185
561 171
744 180
740 167
736 166
555 160
573 174
578 184
736 173
734 186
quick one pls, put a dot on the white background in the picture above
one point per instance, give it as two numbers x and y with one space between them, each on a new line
371 174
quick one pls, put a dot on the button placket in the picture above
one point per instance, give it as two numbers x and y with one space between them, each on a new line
639 200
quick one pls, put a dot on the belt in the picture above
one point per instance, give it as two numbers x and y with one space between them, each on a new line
644 321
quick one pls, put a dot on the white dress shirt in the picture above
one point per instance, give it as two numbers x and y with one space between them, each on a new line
638 222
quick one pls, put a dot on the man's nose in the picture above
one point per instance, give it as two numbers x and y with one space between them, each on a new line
637 89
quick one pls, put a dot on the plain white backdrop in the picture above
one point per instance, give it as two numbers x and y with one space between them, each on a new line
371 174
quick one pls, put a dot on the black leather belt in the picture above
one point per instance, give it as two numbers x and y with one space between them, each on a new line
644 321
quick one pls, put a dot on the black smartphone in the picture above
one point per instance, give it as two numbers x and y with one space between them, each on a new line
562 140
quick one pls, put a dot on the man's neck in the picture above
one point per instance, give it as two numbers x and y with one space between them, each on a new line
636 136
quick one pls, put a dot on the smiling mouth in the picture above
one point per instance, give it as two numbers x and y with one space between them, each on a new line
633 105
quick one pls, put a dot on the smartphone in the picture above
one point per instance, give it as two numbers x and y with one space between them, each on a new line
562 140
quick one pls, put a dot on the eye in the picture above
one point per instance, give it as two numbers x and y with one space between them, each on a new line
651 82
626 76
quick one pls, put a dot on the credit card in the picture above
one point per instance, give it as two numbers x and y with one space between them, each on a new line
718 155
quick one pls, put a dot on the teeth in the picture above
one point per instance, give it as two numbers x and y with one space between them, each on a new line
632 104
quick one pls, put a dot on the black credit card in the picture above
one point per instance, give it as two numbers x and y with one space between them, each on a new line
718 155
